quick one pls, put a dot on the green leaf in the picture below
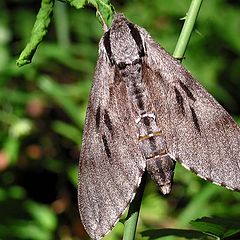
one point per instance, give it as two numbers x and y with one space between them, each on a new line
104 7
58 93
77 3
38 32
26 230
11 147
219 226
188 234
68 131
73 175
200 201
43 215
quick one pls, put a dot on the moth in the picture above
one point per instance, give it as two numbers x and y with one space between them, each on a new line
145 113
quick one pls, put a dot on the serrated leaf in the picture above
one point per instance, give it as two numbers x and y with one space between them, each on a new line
38 32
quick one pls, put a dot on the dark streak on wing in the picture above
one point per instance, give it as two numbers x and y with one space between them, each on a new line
187 91
98 117
108 121
179 99
105 143
117 79
107 45
195 120
137 38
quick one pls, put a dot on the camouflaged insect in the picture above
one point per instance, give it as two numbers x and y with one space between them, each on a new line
146 112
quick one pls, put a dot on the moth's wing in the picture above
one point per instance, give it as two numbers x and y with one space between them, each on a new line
199 133
111 163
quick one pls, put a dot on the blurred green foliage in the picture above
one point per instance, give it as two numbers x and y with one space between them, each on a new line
43 106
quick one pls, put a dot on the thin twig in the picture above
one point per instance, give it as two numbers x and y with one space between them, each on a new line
130 224
187 29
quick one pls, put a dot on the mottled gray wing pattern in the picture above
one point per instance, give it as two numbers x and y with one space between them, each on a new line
110 167
199 133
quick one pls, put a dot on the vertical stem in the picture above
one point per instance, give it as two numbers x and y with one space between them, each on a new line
187 29
62 24
130 224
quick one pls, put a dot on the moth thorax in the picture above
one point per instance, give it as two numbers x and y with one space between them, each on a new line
124 48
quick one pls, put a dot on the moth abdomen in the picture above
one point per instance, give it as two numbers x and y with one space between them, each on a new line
146 121
138 93
149 136
161 170
121 65
152 144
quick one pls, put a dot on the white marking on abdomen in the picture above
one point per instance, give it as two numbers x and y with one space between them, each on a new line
151 115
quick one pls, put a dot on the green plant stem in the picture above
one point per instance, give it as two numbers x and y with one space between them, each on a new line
187 29
130 224
62 24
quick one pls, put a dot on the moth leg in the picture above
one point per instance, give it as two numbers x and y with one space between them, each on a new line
161 170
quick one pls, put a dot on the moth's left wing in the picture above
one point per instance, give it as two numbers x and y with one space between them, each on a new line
199 133
111 163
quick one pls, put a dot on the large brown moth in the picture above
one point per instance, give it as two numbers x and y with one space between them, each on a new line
146 112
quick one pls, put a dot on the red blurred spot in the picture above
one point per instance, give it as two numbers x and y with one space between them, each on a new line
34 151
60 205
4 160
35 108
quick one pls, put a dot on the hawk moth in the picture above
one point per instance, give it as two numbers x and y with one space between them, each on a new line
145 113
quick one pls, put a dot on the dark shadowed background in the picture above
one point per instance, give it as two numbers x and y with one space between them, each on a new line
43 106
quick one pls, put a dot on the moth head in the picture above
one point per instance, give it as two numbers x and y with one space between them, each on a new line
122 41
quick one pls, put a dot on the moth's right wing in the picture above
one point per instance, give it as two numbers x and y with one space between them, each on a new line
111 163
199 133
